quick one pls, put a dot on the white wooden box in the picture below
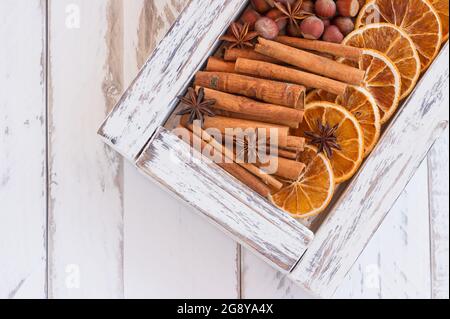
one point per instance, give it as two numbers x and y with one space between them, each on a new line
316 257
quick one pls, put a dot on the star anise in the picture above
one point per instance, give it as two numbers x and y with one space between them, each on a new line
240 36
293 13
197 105
325 139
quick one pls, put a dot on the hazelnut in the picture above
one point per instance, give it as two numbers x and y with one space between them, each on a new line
274 14
312 28
250 16
267 28
261 6
325 8
344 24
348 8
333 34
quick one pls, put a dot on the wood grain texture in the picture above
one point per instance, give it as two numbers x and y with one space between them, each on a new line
359 212
151 98
195 259
396 262
260 281
85 176
169 251
247 217
23 149
198 260
438 163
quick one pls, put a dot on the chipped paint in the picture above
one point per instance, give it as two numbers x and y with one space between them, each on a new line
151 97
332 254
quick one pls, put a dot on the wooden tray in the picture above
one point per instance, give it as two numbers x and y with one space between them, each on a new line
317 255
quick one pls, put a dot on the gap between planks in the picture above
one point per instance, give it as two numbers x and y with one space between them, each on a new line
47 143
438 189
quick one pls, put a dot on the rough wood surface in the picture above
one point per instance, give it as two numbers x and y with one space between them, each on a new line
359 212
438 163
149 101
244 215
396 262
199 261
23 149
192 253
85 189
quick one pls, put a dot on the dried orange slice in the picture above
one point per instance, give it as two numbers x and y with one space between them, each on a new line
382 80
320 95
364 107
340 127
441 7
396 45
312 192
416 17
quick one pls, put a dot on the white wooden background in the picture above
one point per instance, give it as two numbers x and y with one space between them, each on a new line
78 222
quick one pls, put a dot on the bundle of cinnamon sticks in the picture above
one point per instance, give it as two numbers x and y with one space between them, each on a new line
262 90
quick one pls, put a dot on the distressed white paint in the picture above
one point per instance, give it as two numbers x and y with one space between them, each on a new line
244 215
85 212
169 252
359 212
438 162
260 281
396 262
149 101
210 272
128 138
22 149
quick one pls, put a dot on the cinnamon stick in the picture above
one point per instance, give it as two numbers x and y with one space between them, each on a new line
295 142
223 124
231 126
277 72
287 169
248 109
266 178
286 94
287 154
219 65
334 49
236 170
310 62
247 178
232 55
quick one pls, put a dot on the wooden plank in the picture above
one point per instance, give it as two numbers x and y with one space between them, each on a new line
439 216
169 251
192 253
85 208
359 212
151 98
228 204
260 281
23 156
396 262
